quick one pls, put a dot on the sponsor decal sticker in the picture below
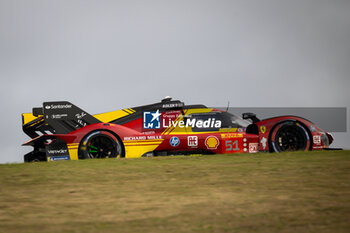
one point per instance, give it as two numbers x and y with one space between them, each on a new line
192 141
151 137
81 122
56 158
263 129
194 123
312 128
212 142
154 137
60 151
58 106
317 139
173 105
231 135
253 147
80 115
151 120
58 116
263 142
174 141
175 119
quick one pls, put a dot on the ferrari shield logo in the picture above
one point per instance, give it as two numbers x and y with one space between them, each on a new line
263 129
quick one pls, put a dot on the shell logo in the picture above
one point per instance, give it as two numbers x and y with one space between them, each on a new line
212 142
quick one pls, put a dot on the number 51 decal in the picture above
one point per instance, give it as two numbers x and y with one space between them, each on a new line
231 146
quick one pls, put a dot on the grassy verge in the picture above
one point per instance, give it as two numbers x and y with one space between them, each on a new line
287 192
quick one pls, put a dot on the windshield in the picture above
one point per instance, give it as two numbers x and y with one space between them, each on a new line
233 121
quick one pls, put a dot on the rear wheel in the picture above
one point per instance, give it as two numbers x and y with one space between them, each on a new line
100 144
289 136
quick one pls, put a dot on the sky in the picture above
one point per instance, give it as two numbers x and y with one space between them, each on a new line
105 55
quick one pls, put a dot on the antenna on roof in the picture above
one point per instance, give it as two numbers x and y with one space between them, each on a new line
228 105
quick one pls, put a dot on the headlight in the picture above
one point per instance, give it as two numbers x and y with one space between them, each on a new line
324 139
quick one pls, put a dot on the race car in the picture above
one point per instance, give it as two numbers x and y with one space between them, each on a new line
63 131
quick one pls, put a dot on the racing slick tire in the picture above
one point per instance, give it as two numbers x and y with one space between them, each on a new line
100 144
289 136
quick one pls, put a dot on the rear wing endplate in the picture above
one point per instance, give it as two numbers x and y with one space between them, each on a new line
60 117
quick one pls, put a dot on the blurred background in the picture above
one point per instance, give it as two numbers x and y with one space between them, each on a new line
105 55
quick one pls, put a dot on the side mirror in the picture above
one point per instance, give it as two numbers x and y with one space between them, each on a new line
251 116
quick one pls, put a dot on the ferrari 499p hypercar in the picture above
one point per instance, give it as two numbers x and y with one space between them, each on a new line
63 131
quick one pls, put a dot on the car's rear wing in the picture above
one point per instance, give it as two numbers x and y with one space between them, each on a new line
55 118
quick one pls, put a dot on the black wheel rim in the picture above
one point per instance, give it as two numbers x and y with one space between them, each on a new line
290 138
101 146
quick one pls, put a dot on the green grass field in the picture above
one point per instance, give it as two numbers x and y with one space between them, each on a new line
287 192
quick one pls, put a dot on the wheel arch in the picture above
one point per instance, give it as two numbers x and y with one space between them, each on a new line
107 130
120 140
289 120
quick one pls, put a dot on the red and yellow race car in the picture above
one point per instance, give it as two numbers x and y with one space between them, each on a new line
63 131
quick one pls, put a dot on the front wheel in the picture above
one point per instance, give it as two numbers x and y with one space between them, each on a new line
100 144
289 136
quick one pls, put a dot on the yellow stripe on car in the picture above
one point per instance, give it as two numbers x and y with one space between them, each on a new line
110 116
73 150
27 117
137 148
